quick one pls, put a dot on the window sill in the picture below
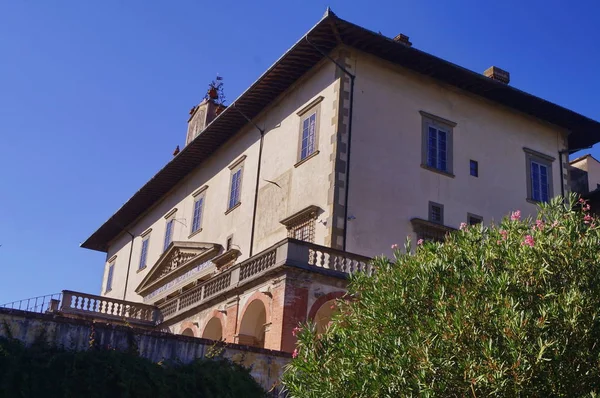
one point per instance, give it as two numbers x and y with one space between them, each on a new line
141 269
312 155
196 232
233 208
533 201
107 291
433 169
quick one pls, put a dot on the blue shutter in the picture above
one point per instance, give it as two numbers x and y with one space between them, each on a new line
432 147
535 182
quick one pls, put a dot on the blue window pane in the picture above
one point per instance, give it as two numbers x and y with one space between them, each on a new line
168 234
144 253
197 215
109 279
474 166
308 136
432 148
234 195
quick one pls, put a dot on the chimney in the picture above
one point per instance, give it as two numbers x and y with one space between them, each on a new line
495 73
403 39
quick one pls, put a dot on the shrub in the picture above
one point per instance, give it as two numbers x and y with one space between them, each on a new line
507 310
42 371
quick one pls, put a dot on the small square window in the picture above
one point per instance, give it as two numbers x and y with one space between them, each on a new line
474 168
229 243
436 213
473 219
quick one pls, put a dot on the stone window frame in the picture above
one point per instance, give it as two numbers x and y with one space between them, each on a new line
313 107
427 120
169 219
430 213
474 217
199 194
430 231
144 254
236 166
544 160
110 273
303 220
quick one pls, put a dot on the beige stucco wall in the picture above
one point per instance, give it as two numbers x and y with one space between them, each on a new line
298 188
592 166
387 185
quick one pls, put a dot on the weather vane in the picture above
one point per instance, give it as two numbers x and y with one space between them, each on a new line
215 91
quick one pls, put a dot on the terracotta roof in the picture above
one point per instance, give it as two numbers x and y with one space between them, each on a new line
328 33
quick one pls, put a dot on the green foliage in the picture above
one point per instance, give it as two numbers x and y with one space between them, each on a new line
509 310
42 371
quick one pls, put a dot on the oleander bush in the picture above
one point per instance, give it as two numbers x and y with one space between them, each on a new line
506 310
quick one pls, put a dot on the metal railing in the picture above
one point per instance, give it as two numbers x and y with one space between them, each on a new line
40 304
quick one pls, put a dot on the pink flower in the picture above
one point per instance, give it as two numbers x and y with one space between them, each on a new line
528 241
581 200
516 215
504 234
586 208
295 353
539 224
587 218
463 225
395 246
419 242
499 242
295 331
555 223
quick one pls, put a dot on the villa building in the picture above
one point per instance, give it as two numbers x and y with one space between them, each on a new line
347 144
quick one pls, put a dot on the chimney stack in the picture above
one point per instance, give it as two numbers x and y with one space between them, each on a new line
403 39
493 72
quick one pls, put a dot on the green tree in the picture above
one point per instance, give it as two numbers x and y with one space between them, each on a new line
509 310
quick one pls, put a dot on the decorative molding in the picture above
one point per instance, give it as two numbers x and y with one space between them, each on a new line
199 190
310 105
226 258
310 211
539 154
112 259
420 223
438 119
146 232
175 260
444 173
170 213
196 232
312 155
233 208
237 162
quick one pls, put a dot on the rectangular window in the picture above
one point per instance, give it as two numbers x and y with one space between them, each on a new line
309 125
436 213
168 233
474 168
539 182
234 192
144 252
437 149
473 219
539 176
109 277
197 216
437 138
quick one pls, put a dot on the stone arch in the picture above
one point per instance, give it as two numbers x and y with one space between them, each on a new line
188 328
213 329
252 325
323 309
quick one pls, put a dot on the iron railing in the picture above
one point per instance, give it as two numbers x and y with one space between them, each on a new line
40 304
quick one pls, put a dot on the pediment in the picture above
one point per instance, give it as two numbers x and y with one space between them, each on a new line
179 258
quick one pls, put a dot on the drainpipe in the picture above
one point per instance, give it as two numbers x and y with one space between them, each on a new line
128 261
350 111
260 150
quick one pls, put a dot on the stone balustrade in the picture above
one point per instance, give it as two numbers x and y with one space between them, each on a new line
100 307
289 252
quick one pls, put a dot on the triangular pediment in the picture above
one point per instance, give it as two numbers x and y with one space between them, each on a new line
179 258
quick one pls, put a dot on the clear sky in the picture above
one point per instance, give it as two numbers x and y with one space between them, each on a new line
94 95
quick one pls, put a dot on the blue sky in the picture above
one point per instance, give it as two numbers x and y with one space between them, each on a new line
94 95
